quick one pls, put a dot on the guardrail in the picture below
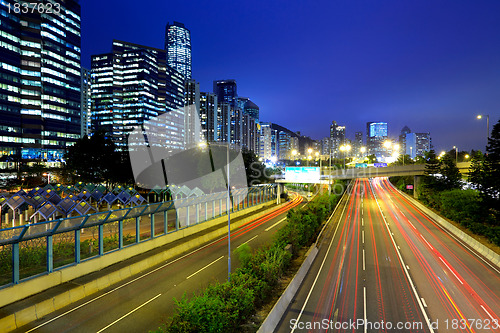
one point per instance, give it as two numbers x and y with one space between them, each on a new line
34 249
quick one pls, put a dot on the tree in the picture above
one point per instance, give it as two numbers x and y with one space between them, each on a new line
255 170
491 173
94 159
432 168
451 174
371 158
476 171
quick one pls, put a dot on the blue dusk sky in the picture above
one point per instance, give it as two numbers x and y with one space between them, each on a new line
431 65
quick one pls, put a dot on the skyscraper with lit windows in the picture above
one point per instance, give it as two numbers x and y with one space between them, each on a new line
178 47
39 82
133 84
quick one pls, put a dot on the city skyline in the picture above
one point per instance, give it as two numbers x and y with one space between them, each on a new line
431 67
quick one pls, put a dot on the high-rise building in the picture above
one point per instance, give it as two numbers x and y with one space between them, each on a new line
85 102
226 91
40 78
209 116
178 46
192 121
402 138
358 142
325 146
133 84
252 109
376 135
417 144
337 138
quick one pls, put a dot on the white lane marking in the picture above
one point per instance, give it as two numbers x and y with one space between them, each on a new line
129 313
488 313
125 284
405 270
275 224
425 240
362 222
363 236
322 264
364 308
213 262
407 267
364 268
450 270
399 248
248 241
461 242
423 302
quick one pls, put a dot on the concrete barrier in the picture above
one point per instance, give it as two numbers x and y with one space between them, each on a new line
485 251
273 318
11 321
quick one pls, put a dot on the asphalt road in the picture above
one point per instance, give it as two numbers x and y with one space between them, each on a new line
144 302
386 267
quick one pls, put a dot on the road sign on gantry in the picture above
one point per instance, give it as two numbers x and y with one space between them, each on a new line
302 174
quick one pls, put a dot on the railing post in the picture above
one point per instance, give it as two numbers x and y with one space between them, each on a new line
213 208
101 239
50 254
177 219
220 207
77 246
187 216
120 234
165 222
197 207
152 225
15 263
137 229
206 210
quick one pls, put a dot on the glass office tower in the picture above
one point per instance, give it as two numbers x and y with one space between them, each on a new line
178 47
39 82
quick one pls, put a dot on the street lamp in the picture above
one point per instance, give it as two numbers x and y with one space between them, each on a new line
456 154
345 148
480 116
47 174
363 150
294 154
466 156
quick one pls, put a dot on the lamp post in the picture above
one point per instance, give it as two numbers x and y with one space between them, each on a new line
228 219
345 149
480 116
456 154
47 174
202 145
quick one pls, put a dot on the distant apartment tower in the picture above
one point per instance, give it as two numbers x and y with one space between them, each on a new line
376 134
358 142
192 121
133 84
418 143
226 91
178 46
337 138
209 116
277 142
40 78
402 138
85 102
325 146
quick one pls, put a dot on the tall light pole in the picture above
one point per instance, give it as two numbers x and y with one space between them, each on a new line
456 154
480 116
309 151
228 219
345 149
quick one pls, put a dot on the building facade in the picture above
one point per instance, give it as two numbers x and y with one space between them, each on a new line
417 144
178 47
337 138
85 102
133 84
40 78
376 135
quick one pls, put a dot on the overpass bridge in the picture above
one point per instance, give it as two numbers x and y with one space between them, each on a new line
416 170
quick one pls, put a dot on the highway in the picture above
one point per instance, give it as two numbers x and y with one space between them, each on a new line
144 302
384 266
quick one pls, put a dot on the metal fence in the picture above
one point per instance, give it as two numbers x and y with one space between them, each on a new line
34 249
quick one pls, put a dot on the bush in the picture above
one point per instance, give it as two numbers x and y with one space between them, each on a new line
222 307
